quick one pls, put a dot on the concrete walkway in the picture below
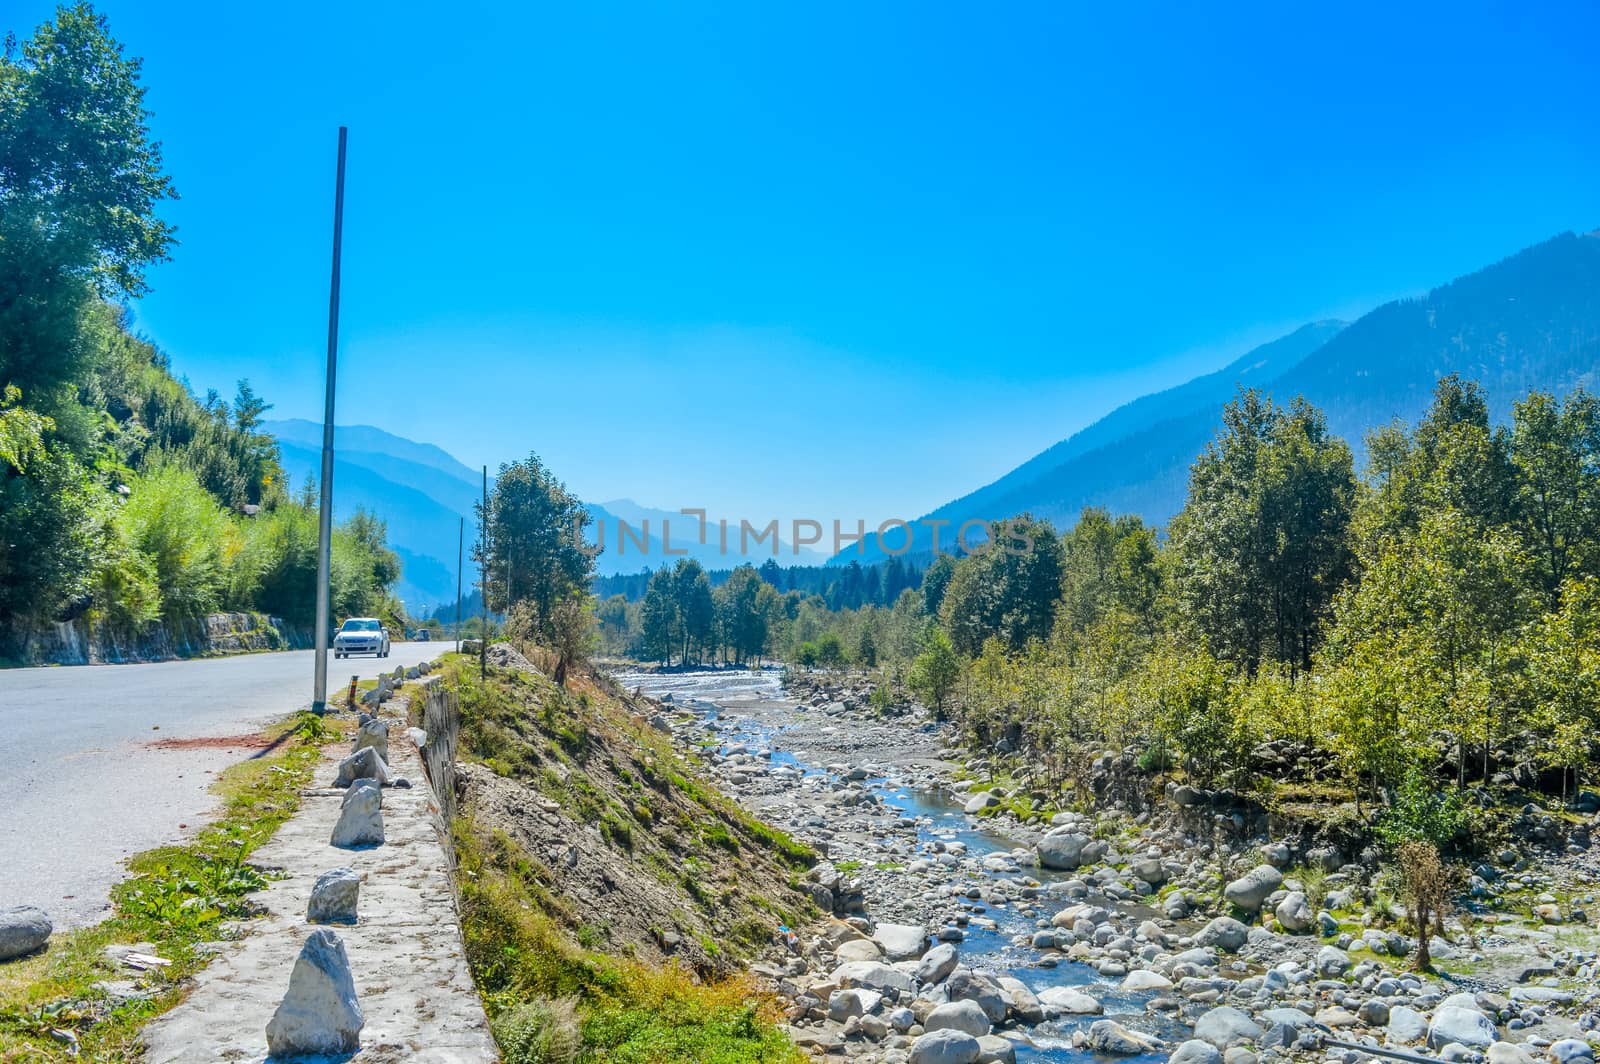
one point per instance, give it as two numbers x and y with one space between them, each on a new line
410 970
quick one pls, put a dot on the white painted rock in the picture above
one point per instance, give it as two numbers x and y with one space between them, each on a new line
374 733
334 897
23 930
361 819
319 1014
365 764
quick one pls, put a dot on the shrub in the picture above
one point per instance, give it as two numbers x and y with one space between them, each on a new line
1422 812
538 1032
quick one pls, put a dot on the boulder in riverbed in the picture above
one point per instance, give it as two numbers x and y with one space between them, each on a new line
1195 1051
937 963
1109 1036
1455 1023
1225 933
966 1016
1062 849
1294 912
1069 1000
1250 890
901 942
946 1046
1226 1026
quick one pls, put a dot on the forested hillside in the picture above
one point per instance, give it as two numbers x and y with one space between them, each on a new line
1530 322
125 501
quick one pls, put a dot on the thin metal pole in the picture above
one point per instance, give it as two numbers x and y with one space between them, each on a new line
461 554
483 577
319 697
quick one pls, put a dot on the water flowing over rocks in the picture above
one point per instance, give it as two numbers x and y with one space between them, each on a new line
970 918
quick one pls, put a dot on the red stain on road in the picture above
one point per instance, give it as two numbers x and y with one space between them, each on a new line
211 742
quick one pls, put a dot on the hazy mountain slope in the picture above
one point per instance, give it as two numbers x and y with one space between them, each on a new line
422 529
422 492
1531 321
375 440
1254 367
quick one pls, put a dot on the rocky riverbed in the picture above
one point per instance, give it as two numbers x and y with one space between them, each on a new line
968 926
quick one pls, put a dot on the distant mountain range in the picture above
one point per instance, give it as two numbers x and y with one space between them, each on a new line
1531 321
423 493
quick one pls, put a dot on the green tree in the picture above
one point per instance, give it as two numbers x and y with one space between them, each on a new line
935 671
935 579
1261 541
1005 591
171 519
744 607
867 648
535 540
1197 708
830 651
658 617
1562 650
694 609
80 181
1555 451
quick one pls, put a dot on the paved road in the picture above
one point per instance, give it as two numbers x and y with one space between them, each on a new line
84 785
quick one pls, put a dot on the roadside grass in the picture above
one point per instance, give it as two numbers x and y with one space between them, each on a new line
52 1004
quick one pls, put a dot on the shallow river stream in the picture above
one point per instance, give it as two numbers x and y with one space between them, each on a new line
747 709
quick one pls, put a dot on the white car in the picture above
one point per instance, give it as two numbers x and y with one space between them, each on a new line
361 635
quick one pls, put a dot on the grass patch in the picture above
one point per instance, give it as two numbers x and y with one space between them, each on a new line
627 1012
177 899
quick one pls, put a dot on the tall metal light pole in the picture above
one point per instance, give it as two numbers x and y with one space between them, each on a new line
461 557
319 697
483 577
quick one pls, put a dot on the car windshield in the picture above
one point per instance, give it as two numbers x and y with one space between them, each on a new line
360 626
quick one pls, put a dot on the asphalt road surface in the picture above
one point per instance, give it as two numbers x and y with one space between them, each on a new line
100 762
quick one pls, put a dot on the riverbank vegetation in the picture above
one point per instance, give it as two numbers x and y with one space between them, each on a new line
125 500
1436 618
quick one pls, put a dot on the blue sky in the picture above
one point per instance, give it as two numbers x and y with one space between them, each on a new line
830 260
